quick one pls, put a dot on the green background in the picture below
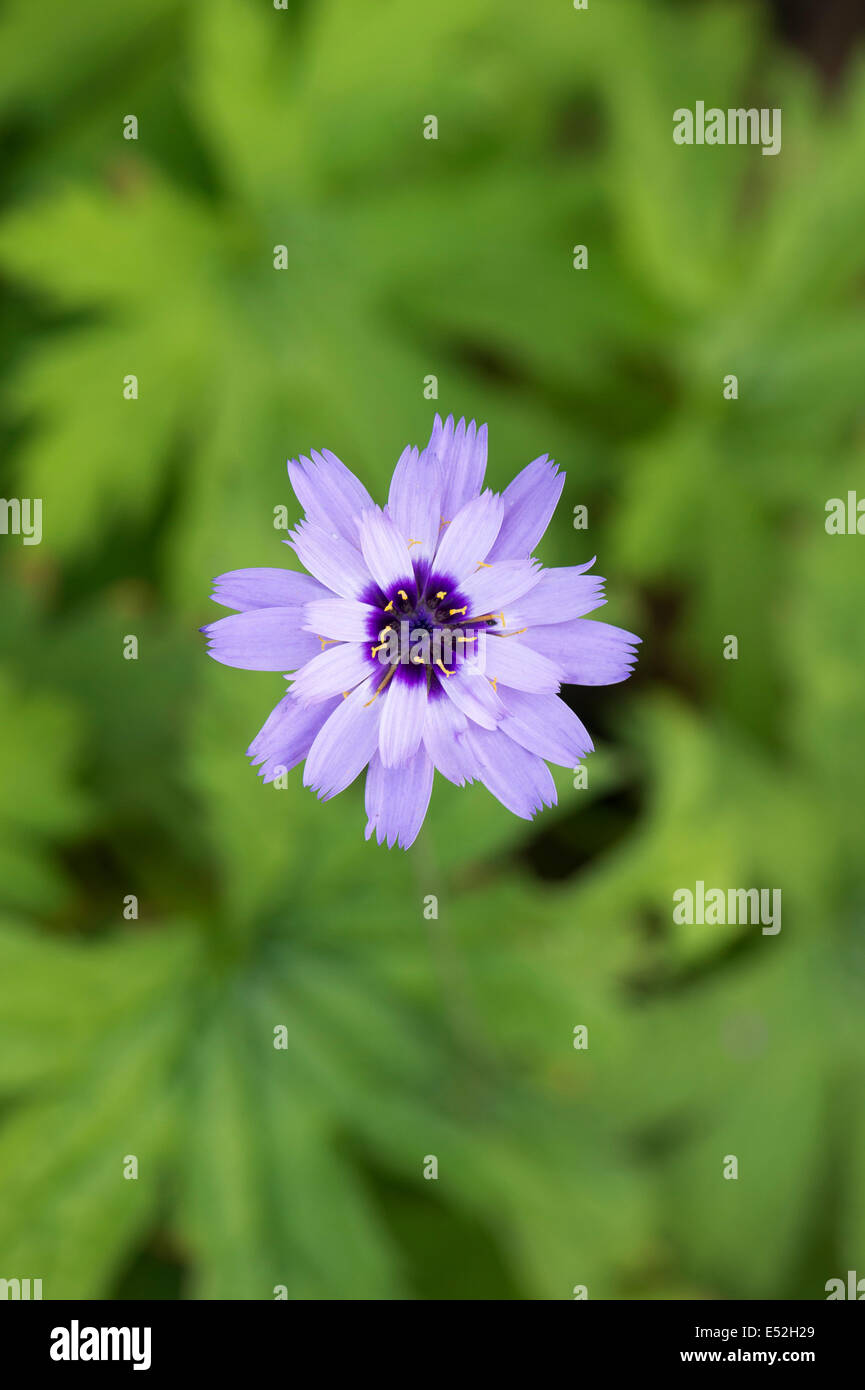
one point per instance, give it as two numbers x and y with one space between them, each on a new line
261 907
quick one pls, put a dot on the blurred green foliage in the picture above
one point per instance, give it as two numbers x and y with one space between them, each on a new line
261 907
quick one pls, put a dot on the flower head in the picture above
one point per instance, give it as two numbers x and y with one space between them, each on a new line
424 637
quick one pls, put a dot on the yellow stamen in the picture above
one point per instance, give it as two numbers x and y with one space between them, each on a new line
379 648
401 593
388 606
482 565
458 610
473 638
389 628
442 593
388 677
411 543
447 673
495 684
513 634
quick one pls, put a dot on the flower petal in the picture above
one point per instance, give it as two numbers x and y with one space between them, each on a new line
466 540
492 588
338 565
330 494
402 718
443 724
545 725
472 693
265 588
559 595
331 672
263 639
519 779
588 652
384 550
285 738
461 455
341 619
397 799
508 661
414 503
530 500
344 744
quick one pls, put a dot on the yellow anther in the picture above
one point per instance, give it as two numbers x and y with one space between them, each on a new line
447 673
411 543
467 639
388 606
514 634
401 593
379 648
457 610
345 694
389 628
482 565
443 522
495 684
418 660
442 593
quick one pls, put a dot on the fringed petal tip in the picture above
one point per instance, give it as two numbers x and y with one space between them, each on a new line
396 799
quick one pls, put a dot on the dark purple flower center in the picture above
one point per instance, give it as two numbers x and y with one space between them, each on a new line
425 628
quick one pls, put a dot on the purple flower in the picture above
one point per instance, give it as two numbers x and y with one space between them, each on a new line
424 637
